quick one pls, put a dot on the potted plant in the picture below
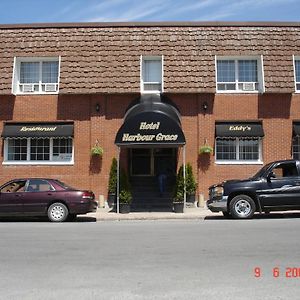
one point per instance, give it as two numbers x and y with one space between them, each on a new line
125 201
191 184
206 149
112 183
125 195
97 150
178 198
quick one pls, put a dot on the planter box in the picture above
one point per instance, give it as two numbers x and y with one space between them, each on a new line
191 198
124 208
178 207
111 200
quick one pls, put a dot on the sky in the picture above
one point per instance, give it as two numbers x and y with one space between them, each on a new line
33 11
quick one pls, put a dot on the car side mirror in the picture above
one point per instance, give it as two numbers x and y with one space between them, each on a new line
270 176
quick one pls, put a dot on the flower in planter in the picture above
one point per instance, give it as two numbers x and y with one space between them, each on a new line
97 150
206 149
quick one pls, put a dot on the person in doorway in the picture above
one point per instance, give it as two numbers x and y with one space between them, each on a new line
162 177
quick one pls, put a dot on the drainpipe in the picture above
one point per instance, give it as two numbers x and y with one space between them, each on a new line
118 181
184 187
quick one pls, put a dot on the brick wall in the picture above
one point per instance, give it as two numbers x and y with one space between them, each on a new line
276 111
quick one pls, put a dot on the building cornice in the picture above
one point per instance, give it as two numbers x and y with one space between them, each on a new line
148 24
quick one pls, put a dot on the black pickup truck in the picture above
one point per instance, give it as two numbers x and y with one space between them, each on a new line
276 186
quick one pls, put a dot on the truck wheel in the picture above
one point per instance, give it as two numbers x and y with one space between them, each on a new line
242 207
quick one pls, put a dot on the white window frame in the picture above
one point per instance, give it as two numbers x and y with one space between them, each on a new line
16 75
142 67
295 146
36 162
260 74
296 58
237 161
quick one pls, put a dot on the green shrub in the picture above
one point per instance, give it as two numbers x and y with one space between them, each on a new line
112 181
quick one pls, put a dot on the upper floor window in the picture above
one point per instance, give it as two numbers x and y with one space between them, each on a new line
152 74
242 74
36 75
297 73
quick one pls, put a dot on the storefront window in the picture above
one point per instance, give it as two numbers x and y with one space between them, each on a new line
39 150
238 149
17 149
296 147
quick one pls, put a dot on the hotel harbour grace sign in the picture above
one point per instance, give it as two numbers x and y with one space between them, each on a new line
144 136
163 131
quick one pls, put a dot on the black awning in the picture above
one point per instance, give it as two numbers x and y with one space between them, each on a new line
296 129
38 130
151 123
239 129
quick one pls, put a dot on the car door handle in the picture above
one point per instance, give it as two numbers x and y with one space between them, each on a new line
49 194
17 195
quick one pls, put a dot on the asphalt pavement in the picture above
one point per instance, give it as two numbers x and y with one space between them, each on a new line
208 258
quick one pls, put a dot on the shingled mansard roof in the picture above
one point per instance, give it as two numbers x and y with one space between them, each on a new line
105 57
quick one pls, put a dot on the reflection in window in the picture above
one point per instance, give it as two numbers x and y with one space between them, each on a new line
39 149
296 147
240 149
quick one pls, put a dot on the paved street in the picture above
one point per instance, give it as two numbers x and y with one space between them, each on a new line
179 259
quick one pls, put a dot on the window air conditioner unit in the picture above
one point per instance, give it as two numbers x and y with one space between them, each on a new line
248 86
50 87
28 88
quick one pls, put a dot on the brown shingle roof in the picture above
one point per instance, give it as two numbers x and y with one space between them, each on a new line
99 58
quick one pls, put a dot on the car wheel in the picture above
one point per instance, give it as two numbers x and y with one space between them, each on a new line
226 214
57 212
242 207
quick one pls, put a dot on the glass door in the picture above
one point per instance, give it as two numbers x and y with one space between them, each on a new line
164 159
141 162
149 162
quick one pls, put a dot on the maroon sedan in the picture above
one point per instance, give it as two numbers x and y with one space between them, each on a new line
40 197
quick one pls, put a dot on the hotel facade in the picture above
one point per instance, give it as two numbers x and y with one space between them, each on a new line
151 91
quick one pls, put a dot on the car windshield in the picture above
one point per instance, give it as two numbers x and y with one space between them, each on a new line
262 171
65 186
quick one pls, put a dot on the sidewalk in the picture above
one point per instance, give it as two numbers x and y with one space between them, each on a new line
191 213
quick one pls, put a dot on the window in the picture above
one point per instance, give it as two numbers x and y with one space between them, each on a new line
34 75
238 149
297 74
14 187
285 170
296 147
151 75
38 150
39 185
239 74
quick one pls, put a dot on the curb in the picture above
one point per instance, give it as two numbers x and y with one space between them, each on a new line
104 219
105 215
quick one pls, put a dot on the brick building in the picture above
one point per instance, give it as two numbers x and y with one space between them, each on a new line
66 87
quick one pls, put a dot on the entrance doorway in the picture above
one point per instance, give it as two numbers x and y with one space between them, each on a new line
145 164
147 161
